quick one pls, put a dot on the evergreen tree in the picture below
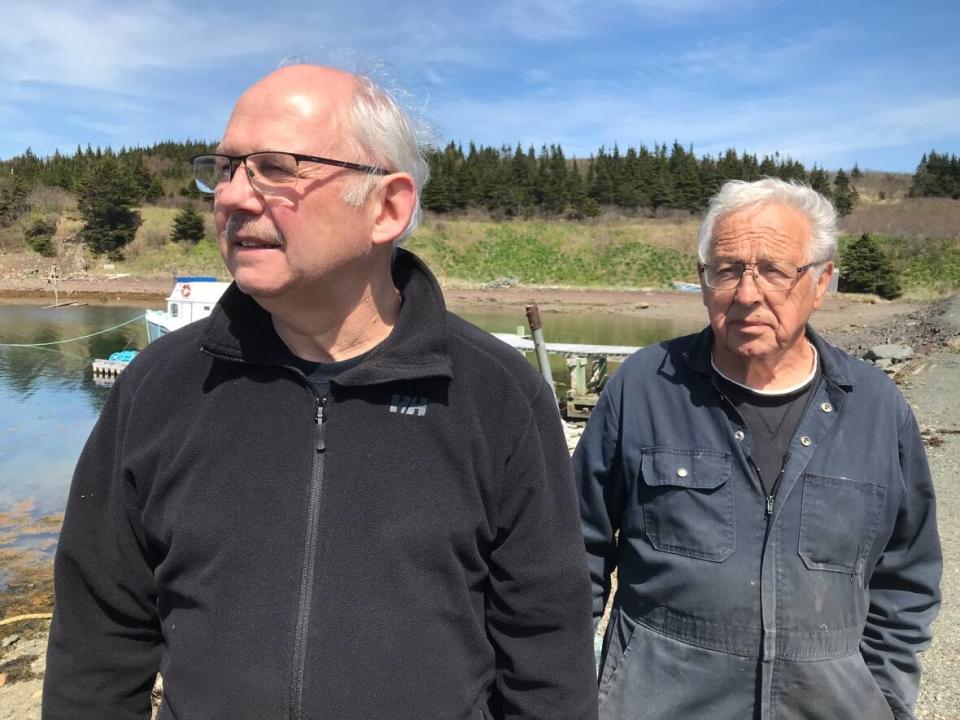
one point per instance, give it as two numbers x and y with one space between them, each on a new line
855 173
845 195
188 225
628 193
13 198
820 182
768 167
107 201
709 179
865 268
937 176
688 194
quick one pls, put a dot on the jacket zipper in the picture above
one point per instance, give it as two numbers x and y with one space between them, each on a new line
309 563
773 490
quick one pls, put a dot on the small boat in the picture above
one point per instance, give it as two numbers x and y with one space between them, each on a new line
192 298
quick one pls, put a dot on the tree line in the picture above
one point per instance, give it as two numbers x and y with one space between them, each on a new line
937 175
511 182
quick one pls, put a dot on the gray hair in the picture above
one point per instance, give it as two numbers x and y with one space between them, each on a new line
393 136
390 136
739 194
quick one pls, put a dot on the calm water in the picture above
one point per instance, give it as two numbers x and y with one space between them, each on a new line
49 401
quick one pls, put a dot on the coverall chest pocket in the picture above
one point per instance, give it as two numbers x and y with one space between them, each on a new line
687 502
838 521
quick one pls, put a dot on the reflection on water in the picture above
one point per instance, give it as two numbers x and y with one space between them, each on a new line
49 401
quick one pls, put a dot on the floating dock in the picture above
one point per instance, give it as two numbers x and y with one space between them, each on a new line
569 350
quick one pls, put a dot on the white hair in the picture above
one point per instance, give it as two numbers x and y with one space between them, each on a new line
740 194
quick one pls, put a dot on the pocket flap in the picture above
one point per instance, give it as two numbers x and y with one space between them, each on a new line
696 468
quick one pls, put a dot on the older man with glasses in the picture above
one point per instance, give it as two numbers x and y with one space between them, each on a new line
332 498
764 497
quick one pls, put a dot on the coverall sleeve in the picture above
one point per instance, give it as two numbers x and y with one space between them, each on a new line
905 584
538 602
105 641
600 481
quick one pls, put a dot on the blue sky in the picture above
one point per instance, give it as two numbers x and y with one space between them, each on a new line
874 82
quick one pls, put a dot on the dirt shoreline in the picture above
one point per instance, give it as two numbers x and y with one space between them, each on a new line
837 311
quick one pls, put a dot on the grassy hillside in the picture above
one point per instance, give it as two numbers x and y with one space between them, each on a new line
612 251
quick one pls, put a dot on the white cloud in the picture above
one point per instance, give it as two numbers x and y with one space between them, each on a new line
108 46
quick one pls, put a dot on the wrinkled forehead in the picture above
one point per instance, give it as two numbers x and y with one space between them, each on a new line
771 232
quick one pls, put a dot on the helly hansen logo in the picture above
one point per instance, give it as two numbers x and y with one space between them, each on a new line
406 405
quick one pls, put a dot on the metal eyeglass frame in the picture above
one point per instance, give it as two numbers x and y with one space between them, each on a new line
237 160
701 268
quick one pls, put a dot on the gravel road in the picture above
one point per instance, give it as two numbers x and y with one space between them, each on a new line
934 393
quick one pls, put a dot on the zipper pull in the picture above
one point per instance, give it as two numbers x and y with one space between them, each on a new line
321 426
769 505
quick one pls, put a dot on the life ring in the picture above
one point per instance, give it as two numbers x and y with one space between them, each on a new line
185 290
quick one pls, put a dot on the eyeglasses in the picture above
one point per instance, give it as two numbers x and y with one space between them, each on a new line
769 276
267 171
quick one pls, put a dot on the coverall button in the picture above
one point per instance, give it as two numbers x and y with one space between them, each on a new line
682 472
739 435
805 441
826 407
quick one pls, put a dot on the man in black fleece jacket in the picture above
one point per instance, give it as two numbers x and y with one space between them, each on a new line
330 499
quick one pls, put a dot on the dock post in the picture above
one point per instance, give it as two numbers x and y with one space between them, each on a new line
536 329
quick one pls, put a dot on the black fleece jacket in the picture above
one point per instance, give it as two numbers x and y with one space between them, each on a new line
414 554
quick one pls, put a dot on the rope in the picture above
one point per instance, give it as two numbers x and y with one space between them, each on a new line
82 337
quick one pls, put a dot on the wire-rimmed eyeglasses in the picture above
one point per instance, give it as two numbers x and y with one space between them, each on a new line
770 276
267 170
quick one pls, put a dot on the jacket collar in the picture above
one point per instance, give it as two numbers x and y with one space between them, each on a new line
240 330
833 362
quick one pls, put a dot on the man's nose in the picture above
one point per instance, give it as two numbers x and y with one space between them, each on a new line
748 292
238 193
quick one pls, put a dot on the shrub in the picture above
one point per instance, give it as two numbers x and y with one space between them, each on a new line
39 235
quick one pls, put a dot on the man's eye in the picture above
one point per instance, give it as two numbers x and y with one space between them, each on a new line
274 170
774 270
724 272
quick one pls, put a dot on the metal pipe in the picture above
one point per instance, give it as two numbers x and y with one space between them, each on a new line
540 345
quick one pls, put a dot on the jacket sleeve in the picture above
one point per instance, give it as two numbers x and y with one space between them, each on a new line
538 606
905 584
105 640
600 481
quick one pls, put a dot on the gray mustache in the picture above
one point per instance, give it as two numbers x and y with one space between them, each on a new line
249 227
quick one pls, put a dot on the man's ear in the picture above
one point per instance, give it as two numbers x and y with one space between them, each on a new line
395 200
704 290
823 284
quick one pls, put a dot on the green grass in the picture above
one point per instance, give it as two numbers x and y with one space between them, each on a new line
550 253
153 253
175 258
